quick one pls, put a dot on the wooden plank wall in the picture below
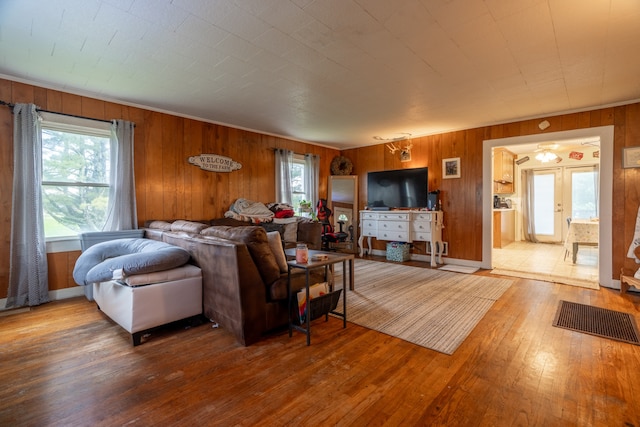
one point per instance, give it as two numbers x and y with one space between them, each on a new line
462 197
167 187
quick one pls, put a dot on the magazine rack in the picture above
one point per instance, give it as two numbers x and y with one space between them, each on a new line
322 306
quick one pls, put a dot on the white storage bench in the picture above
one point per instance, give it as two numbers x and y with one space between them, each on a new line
119 272
142 302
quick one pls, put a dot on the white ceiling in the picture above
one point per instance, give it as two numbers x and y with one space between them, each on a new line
332 72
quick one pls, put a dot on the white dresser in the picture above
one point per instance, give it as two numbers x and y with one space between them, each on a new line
403 226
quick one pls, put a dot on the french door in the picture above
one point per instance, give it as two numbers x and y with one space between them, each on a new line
562 193
548 212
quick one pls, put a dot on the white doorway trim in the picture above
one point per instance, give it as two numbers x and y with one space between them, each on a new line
605 248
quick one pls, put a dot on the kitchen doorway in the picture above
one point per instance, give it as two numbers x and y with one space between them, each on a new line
559 195
545 257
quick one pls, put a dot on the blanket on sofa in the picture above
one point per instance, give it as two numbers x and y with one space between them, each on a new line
250 211
257 212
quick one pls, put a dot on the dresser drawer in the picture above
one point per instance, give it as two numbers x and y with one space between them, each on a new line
420 226
395 235
369 231
393 216
424 216
369 215
368 223
421 236
393 226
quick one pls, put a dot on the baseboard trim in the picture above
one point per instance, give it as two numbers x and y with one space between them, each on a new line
53 295
427 258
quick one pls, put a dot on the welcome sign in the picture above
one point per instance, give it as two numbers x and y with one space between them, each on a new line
214 163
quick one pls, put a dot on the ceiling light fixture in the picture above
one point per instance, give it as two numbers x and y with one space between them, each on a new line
402 137
546 156
404 145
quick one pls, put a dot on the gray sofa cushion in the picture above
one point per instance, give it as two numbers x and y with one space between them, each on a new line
188 226
132 256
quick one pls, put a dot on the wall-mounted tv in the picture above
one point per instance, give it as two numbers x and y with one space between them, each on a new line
401 188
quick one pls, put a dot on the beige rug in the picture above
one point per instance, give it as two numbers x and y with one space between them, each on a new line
548 278
432 308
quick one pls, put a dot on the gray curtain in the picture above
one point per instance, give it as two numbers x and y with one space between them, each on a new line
312 178
284 159
28 280
121 211
528 215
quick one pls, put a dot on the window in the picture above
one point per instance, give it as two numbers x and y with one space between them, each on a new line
297 173
584 194
297 179
75 175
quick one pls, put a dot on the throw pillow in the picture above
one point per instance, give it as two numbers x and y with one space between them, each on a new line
291 232
188 226
275 243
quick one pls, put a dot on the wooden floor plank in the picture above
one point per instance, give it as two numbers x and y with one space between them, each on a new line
65 363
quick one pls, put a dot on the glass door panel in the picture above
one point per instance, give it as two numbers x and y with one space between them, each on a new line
548 205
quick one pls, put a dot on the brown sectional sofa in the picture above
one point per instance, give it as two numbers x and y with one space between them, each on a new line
244 289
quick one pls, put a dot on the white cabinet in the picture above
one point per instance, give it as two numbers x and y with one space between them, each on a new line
403 226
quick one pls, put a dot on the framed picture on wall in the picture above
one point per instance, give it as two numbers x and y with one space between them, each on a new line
451 168
631 157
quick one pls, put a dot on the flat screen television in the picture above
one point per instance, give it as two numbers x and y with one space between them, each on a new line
401 188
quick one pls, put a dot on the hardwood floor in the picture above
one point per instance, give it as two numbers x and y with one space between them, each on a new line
65 364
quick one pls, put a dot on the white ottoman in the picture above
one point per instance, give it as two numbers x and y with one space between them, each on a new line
144 301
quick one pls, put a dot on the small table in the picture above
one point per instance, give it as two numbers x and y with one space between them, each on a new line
332 259
581 232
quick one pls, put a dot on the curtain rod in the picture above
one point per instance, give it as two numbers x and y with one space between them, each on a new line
10 105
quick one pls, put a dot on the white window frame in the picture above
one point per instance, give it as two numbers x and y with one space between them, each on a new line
298 159
71 124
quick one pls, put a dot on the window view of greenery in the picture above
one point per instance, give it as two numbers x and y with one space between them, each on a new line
297 183
583 195
75 187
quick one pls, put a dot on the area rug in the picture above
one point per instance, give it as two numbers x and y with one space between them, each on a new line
596 321
458 268
548 278
431 308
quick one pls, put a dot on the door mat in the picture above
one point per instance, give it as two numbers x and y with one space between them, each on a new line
597 321
458 268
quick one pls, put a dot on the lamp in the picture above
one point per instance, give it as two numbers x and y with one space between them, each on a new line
546 156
